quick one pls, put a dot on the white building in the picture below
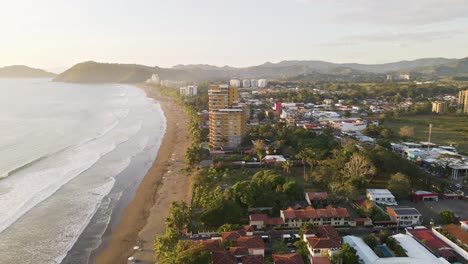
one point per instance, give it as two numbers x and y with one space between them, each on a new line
235 83
154 79
417 254
190 90
381 196
405 216
253 83
349 124
262 83
246 83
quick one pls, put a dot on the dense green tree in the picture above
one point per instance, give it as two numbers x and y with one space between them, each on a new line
302 250
347 255
400 185
370 240
189 252
229 227
279 247
447 217
179 217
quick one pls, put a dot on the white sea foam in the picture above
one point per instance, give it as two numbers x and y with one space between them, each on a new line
67 165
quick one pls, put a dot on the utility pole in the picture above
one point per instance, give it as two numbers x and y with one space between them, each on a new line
429 139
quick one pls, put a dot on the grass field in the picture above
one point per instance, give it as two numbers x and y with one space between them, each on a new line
445 130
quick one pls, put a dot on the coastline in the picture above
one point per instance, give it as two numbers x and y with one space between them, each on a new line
165 182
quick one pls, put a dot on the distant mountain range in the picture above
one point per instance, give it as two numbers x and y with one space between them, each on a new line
20 71
94 72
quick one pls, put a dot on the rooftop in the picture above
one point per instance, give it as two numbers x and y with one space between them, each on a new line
317 195
311 213
457 232
292 258
417 254
405 210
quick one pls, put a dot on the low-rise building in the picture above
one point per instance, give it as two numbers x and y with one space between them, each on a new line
292 258
323 241
416 253
190 90
424 196
327 216
316 197
429 240
381 196
405 216
261 221
439 107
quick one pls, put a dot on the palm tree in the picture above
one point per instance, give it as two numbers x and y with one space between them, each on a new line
286 166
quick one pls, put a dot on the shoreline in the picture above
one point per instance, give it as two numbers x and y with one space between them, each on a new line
143 218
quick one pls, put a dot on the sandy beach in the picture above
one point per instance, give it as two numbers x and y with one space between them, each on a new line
164 183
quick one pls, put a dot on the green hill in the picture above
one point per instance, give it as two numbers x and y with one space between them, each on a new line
20 71
454 68
94 72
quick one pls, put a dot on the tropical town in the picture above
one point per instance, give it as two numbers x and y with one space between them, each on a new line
302 172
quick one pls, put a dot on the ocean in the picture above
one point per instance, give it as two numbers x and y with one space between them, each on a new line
71 158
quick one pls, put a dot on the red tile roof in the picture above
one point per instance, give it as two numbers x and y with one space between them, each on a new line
275 221
317 195
316 242
212 244
249 228
457 232
320 260
239 251
312 213
292 258
428 239
258 217
252 242
223 257
325 237
232 235
252 259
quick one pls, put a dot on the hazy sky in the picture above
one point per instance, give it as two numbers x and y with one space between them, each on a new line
59 33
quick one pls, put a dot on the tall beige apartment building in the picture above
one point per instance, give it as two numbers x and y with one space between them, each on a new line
463 101
227 119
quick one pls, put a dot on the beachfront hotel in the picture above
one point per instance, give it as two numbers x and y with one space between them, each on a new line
227 118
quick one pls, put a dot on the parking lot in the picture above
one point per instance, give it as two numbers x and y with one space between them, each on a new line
432 209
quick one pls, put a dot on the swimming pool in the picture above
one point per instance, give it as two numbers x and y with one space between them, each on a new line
385 251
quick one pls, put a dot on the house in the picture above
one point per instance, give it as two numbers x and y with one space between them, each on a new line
327 216
232 235
382 196
249 230
252 259
212 245
314 197
223 257
405 216
239 252
254 244
323 241
364 221
258 221
261 221
292 258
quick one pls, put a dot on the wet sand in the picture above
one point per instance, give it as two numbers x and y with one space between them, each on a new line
164 183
